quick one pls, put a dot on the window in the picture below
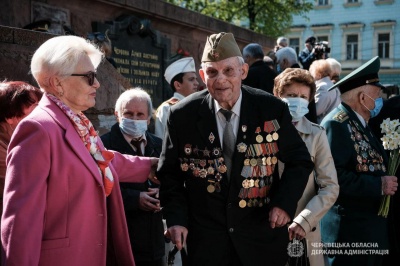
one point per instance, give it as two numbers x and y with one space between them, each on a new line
295 44
352 1
383 45
323 2
352 47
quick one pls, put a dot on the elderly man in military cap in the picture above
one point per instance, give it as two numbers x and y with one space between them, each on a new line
353 226
217 167
181 75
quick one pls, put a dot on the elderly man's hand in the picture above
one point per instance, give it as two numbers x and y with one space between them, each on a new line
389 185
278 217
152 176
296 231
177 234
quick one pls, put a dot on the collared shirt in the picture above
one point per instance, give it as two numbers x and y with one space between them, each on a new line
162 116
221 121
130 138
363 122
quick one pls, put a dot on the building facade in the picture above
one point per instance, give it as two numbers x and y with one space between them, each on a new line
356 31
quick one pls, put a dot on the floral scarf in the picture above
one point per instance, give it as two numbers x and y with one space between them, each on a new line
89 138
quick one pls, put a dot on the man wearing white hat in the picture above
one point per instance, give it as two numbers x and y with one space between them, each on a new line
181 75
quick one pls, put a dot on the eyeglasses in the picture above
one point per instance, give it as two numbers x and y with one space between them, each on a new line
90 76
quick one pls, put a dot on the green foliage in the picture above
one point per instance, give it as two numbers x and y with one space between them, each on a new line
270 17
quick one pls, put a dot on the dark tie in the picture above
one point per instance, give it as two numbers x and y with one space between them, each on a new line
228 144
137 145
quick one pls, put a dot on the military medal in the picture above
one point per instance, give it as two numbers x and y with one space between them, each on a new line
184 167
210 170
188 149
253 162
269 138
274 160
210 187
222 168
216 152
371 168
242 203
203 173
259 138
246 162
275 136
206 152
241 147
211 138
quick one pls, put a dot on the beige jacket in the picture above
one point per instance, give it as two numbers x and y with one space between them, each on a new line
313 206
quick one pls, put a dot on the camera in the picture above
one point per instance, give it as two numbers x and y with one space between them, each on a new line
321 48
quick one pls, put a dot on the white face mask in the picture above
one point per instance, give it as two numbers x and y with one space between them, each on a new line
298 107
134 128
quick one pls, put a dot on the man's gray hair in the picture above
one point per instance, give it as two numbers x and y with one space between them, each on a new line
253 50
287 53
133 93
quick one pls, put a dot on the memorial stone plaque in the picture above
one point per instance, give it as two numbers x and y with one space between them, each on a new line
139 54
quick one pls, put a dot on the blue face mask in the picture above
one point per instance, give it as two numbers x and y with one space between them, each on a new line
134 128
378 106
278 68
298 107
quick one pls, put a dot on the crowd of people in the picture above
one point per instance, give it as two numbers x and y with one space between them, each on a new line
273 164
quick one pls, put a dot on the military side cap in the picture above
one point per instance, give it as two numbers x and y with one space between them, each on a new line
183 65
219 47
363 75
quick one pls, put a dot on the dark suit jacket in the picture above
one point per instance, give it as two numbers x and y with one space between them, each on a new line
390 109
260 76
146 230
218 227
358 158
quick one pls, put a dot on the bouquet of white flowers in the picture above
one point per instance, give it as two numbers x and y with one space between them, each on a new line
391 142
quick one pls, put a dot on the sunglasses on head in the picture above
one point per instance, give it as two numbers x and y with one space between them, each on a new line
90 76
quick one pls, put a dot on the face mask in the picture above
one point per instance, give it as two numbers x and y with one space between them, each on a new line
298 107
378 106
278 68
134 128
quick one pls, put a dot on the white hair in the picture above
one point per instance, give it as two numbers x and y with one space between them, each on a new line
282 41
130 94
59 56
287 53
335 65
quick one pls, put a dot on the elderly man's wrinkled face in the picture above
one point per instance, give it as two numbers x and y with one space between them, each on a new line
224 79
77 93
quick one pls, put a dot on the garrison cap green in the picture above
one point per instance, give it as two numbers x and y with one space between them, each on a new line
363 75
219 47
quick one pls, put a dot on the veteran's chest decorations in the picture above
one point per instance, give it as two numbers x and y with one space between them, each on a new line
205 164
258 165
368 159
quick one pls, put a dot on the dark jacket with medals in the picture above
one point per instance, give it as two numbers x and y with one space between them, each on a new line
146 230
360 161
260 76
232 215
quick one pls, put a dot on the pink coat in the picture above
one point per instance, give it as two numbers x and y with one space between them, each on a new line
55 209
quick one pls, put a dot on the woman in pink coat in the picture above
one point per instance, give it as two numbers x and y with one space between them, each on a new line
62 202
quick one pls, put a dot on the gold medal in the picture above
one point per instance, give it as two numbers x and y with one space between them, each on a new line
253 162
246 162
210 170
256 183
274 160
242 203
275 136
269 138
259 138
269 161
210 188
365 168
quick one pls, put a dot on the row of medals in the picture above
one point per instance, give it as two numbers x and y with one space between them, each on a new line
205 167
363 149
258 174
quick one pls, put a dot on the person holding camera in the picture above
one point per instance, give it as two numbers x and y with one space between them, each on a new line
308 55
142 206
